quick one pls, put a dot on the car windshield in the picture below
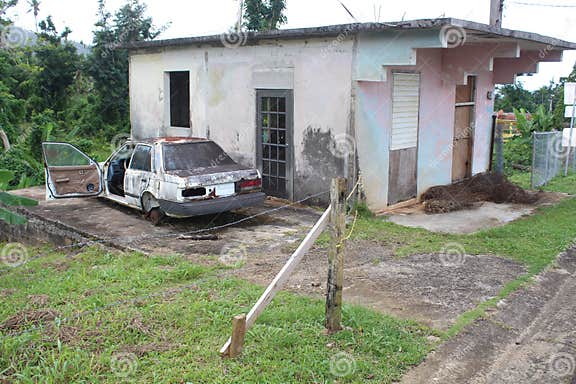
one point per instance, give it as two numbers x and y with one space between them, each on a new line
184 156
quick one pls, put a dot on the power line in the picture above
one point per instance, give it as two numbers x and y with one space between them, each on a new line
542 5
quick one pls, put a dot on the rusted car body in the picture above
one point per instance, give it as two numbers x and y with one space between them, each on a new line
178 177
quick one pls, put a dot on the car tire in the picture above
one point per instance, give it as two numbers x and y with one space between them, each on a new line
156 216
152 209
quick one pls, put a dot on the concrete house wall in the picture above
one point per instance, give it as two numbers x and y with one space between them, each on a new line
223 99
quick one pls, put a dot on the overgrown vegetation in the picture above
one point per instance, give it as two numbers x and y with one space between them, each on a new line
545 108
49 91
111 318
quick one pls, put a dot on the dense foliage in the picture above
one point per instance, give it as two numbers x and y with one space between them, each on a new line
50 91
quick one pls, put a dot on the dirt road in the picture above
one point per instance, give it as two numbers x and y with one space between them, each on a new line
529 339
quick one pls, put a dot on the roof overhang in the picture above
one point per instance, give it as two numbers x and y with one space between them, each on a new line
475 33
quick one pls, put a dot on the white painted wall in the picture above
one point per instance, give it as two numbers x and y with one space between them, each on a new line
223 91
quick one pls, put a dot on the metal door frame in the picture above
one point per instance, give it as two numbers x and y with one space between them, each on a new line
288 94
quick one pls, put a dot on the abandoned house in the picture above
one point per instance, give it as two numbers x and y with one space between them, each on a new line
406 106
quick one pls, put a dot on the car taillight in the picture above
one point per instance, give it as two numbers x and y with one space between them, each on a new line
248 185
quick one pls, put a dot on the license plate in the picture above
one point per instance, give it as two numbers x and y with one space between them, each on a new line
227 189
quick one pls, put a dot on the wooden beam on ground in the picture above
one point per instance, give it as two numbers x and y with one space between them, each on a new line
336 255
400 205
282 276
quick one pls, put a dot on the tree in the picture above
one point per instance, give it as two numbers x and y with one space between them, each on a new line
108 64
35 9
264 15
4 6
512 96
59 63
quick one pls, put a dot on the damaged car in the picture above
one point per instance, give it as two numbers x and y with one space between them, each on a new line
174 176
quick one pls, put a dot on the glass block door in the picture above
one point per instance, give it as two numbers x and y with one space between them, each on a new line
274 133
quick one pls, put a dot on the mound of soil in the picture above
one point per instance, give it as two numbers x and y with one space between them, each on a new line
481 187
28 318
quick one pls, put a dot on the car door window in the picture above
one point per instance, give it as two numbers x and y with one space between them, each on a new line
142 158
64 155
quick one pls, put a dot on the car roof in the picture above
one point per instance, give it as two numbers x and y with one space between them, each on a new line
171 139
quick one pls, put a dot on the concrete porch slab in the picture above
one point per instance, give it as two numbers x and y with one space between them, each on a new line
482 216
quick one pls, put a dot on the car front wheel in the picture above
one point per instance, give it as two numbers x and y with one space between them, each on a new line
155 216
152 209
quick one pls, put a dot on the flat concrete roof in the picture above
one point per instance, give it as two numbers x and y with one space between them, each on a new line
478 31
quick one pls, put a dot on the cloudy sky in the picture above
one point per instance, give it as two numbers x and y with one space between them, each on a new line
555 18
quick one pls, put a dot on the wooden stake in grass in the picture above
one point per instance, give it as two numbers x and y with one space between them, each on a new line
238 333
282 276
336 255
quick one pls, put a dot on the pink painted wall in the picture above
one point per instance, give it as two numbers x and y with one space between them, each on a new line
441 70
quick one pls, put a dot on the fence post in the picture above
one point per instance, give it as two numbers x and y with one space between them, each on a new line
238 333
533 167
336 255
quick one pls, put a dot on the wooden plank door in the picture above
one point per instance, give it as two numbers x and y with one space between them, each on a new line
463 130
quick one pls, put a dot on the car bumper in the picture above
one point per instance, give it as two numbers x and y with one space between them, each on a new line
208 207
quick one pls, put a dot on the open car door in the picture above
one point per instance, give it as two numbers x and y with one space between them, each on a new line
70 172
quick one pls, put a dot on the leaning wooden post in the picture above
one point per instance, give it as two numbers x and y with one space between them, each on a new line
336 255
238 333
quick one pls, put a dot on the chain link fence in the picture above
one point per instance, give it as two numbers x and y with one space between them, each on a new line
549 157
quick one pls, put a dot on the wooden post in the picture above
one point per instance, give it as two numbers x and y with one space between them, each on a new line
238 333
336 255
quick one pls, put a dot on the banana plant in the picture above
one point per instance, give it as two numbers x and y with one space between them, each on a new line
9 200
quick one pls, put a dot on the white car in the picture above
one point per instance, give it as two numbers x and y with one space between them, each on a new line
174 176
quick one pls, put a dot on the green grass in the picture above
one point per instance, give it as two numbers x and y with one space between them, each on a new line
558 184
131 332
534 240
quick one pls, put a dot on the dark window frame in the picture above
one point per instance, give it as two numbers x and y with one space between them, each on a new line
179 98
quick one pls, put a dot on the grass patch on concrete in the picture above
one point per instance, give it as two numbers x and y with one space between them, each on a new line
107 317
534 240
558 184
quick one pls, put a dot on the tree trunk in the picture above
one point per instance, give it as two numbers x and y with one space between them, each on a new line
5 140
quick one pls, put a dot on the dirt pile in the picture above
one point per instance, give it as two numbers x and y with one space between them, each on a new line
481 187
28 318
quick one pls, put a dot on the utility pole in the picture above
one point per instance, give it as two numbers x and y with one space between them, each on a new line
238 26
496 7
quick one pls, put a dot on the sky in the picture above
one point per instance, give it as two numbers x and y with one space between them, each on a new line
556 18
